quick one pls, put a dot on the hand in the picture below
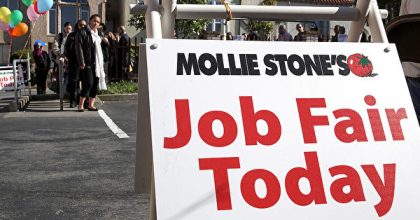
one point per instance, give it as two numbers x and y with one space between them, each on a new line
61 59
82 67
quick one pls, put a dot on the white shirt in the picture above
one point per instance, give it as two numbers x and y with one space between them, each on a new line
410 7
99 60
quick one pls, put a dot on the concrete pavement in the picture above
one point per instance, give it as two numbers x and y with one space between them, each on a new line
68 165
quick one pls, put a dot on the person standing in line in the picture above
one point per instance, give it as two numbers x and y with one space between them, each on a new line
42 65
90 60
229 36
60 41
123 52
252 36
283 34
57 52
301 36
411 69
244 36
112 64
336 33
105 45
72 66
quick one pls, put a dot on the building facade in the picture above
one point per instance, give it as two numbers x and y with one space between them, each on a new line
47 26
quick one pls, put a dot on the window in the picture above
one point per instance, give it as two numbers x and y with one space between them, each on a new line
84 13
70 11
52 20
216 24
69 14
11 4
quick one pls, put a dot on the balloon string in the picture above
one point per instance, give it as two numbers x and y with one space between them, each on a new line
27 40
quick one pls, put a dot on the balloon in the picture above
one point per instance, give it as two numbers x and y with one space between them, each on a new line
5 14
16 17
11 25
36 9
27 2
3 26
20 30
44 5
32 15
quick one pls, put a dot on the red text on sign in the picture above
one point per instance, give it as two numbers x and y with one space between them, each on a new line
349 178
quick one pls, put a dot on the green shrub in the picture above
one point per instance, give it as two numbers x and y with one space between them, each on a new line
22 53
121 87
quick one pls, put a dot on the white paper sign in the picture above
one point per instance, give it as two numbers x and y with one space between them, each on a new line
281 130
7 80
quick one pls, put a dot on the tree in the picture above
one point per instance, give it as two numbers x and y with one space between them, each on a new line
184 28
393 7
261 27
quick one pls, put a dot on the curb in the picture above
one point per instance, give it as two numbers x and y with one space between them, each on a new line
117 97
11 106
23 101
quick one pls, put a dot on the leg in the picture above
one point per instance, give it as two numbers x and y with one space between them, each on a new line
86 77
43 86
92 94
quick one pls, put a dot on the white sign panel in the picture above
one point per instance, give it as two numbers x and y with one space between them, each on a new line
7 80
281 130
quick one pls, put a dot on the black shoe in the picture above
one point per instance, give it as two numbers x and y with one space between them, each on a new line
81 110
93 109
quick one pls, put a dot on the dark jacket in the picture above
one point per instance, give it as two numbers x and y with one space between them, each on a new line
124 45
42 61
69 49
85 48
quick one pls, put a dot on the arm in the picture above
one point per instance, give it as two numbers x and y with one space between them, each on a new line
55 47
79 50
49 66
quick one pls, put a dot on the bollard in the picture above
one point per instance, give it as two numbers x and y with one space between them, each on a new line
15 84
61 84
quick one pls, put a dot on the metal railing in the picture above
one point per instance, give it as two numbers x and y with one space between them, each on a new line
61 83
17 89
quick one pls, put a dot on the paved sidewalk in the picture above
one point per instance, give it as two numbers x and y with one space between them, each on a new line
65 165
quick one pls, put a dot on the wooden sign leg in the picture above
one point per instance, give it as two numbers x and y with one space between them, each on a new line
152 211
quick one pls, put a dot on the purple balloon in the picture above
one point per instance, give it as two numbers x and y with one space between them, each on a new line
3 26
32 15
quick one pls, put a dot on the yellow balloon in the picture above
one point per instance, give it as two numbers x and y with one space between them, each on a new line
5 14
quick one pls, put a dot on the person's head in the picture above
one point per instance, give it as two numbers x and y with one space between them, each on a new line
67 27
253 36
337 29
229 36
121 30
282 29
299 28
342 30
37 46
81 24
94 21
111 36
